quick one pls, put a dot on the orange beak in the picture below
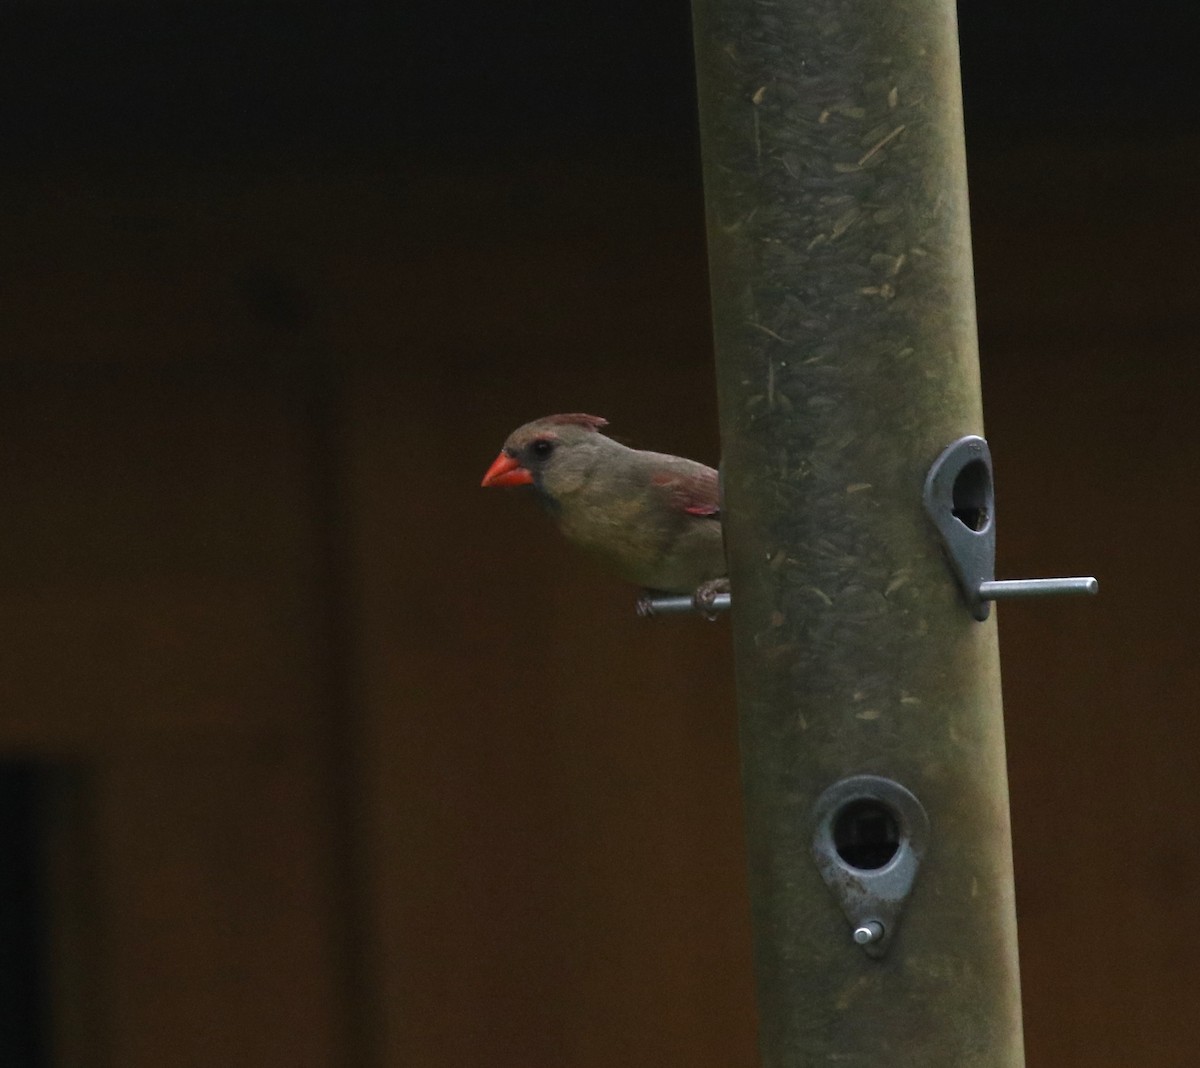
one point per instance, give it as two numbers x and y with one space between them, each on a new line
506 472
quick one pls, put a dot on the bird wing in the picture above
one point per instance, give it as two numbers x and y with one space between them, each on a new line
692 489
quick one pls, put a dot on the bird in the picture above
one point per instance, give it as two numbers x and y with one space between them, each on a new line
652 518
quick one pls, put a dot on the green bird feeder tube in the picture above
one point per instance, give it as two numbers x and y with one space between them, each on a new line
844 320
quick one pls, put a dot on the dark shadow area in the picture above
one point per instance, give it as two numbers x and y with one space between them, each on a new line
310 81
24 915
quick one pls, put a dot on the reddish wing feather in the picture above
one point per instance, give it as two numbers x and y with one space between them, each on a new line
694 492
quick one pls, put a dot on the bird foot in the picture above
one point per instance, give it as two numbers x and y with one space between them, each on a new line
645 605
705 597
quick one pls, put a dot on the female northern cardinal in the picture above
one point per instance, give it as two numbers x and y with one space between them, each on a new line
654 519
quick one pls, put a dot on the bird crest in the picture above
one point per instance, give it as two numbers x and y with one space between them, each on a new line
588 422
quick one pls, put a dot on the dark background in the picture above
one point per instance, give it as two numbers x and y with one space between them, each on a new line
316 755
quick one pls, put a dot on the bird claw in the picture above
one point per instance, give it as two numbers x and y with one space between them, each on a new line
705 597
645 605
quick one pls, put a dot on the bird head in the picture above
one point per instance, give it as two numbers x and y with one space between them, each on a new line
545 451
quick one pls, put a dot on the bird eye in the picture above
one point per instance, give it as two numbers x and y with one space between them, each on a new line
541 448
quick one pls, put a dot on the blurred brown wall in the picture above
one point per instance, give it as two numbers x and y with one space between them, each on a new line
372 770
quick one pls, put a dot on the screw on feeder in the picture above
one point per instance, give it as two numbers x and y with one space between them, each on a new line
866 933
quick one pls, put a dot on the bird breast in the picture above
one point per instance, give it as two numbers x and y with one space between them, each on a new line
673 552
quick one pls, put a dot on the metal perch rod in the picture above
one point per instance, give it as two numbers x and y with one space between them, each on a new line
996 590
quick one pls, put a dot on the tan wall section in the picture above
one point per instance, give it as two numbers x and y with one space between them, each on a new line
373 770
